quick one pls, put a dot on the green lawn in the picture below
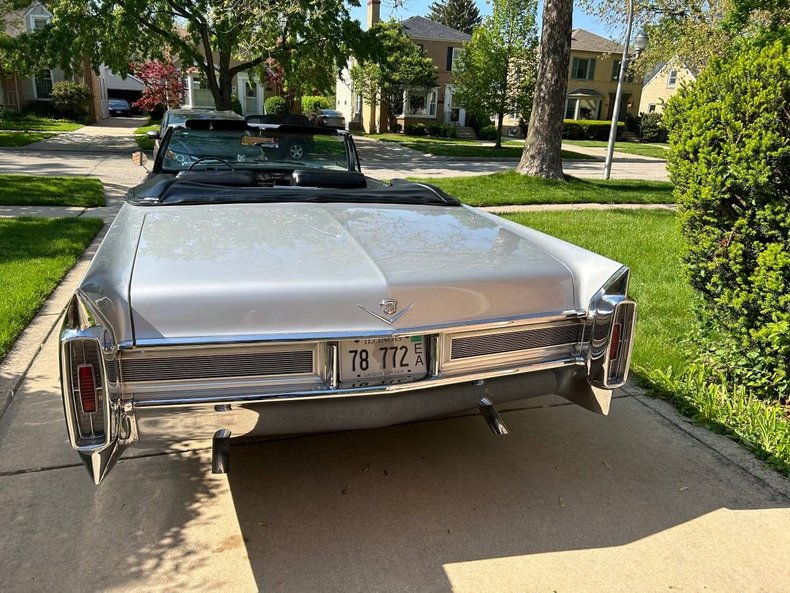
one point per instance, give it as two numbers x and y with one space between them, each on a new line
513 188
38 124
143 141
39 190
651 150
649 243
8 138
35 253
466 148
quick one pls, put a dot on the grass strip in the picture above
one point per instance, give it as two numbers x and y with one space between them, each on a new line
21 138
467 148
510 187
35 254
143 141
655 151
39 124
38 190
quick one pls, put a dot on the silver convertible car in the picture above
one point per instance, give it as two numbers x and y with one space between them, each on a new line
241 291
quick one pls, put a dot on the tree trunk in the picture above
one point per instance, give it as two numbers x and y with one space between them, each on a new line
500 119
542 155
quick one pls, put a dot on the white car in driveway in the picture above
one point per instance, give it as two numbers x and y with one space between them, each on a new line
242 292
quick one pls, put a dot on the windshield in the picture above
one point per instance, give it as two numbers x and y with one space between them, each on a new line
200 150
118 103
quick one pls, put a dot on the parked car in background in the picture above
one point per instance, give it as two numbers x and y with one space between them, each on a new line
119 107
177 117
329 118
239 292
295 146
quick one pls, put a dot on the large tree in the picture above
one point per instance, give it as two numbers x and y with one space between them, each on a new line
218 37
396 67
461 15
496 74
543 148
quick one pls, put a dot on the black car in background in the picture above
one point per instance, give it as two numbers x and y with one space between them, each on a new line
178 117
119 107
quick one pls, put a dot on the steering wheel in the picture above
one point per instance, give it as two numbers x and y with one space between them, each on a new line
211 158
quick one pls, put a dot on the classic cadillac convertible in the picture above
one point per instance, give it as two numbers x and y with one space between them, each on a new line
242 292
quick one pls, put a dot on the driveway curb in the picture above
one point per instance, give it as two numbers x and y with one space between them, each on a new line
17 363
725 447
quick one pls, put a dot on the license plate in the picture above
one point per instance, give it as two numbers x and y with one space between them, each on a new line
382 360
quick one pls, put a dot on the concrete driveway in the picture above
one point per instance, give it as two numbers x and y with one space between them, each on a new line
569 501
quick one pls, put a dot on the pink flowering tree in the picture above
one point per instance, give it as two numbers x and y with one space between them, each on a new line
163 86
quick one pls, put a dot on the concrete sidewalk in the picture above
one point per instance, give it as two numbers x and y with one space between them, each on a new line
109 136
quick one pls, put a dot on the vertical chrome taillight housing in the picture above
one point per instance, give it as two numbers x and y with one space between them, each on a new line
89 379
610 333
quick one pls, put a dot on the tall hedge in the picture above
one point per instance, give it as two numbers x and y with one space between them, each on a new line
730 162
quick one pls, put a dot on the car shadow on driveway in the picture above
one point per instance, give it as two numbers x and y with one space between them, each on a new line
407 508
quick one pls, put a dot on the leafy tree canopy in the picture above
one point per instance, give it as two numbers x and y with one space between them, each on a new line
461 15
397 65
221 38
496 74
692 31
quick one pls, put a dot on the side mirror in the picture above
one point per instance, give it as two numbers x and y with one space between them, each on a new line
139 158
153 134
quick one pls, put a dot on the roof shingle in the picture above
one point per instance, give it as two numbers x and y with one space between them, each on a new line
584 40
421 28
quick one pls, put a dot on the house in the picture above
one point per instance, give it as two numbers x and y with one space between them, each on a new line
250 92
592 82
440 43
662 83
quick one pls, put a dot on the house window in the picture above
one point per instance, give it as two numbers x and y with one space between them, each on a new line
43 82
39 22
421 105
456 57
672 79
583 68
651 108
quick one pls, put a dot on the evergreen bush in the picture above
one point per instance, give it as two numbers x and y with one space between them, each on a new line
730 162
311 104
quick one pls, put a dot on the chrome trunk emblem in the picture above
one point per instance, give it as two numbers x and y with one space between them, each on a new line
389 311
389 307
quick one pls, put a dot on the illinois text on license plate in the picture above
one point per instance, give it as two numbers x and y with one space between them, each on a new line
383 360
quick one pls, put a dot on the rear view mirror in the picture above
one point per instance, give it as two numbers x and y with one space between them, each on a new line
153 134
139 158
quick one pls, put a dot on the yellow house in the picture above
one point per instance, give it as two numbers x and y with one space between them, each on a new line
661 84
592 81
438 42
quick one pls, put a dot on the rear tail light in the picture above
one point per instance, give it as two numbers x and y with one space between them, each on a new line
621 342
614 341
87 386
86 383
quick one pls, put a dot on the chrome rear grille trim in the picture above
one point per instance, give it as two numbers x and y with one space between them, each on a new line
250 364
514 341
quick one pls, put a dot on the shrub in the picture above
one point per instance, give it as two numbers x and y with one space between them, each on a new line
434 129
448 131
311 103
396 128
40 108
70 99
588 129
415 129
487 133
276 105
730 162
650 127
235 104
